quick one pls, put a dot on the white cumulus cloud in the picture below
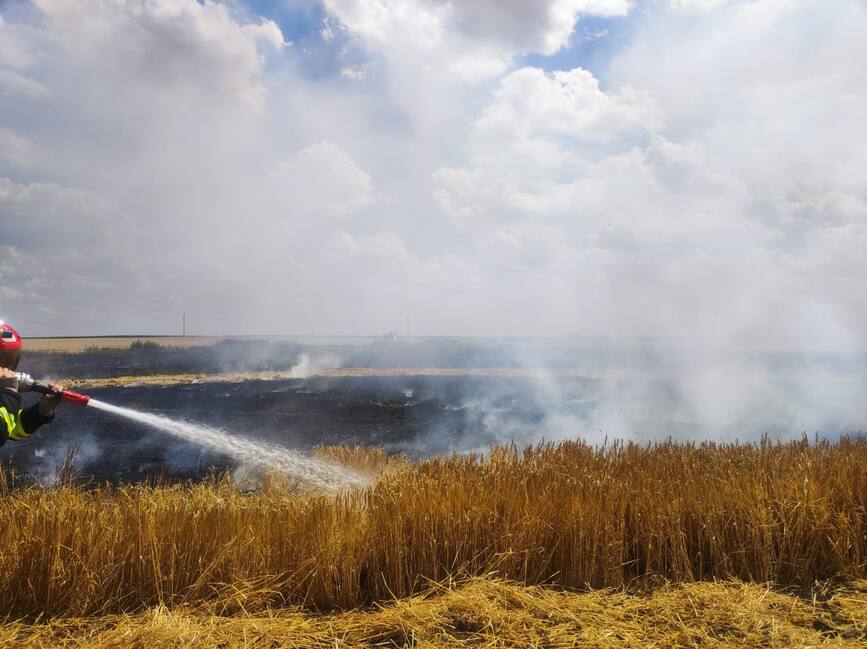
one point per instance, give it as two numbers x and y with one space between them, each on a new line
474 39
704 179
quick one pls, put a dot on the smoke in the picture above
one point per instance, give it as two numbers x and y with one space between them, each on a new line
686 191
695 176
651 391
228 356
307 365
52 462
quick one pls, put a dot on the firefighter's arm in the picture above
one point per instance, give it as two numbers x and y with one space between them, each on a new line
35 416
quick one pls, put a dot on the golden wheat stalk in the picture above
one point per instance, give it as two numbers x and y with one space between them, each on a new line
567 514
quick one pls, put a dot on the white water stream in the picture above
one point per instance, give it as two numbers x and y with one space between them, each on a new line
291 463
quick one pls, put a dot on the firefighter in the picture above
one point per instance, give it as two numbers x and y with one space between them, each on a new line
17 423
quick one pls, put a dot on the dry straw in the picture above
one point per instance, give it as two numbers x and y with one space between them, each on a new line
566 515
492 613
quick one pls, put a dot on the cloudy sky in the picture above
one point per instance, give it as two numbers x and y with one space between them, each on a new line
666 168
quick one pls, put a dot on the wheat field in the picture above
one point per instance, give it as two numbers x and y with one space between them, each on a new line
653 524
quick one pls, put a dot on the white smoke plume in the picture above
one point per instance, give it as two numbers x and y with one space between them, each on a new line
693 178
307 365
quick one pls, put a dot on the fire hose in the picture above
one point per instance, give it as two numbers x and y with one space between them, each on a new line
27 383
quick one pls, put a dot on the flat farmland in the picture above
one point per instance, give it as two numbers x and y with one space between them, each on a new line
86 343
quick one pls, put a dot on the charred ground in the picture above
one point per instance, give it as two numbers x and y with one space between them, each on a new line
526 391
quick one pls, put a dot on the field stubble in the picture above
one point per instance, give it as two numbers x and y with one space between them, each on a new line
638 519
486 612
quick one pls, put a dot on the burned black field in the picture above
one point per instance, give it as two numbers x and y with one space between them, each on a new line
419 416
457 395
415 414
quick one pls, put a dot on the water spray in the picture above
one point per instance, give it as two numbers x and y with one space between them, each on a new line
320 473
27 383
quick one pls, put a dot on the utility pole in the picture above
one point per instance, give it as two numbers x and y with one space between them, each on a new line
407 326
184 327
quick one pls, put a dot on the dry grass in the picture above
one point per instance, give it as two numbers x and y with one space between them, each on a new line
339 373
565 515
90 343
490 613
86 344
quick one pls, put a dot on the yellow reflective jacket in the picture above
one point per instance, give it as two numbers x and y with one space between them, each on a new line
17 423
11 425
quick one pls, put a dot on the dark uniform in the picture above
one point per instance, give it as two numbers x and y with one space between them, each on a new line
15 422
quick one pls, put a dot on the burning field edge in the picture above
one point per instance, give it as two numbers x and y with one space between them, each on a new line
489 612
347 372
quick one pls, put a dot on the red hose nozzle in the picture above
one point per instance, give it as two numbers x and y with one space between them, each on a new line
75 397
26 383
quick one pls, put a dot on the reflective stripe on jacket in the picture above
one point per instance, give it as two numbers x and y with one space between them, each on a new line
11 424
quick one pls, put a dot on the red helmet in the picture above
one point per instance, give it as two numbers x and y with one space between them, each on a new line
10 347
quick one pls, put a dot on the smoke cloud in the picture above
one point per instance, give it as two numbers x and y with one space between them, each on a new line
691 177
703 180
